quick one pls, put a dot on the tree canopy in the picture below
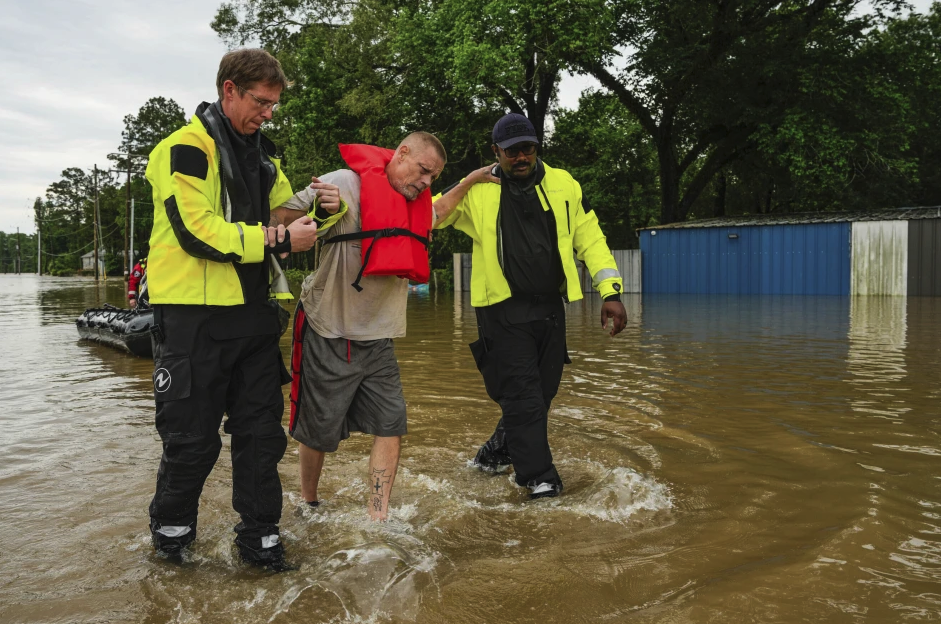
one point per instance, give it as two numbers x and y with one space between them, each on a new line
704 107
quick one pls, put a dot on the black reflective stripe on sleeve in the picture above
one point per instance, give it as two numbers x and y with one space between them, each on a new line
586 205
189 160
188 241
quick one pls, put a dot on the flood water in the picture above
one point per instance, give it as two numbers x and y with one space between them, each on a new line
726 459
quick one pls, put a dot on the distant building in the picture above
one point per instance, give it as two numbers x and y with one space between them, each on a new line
88 261
887 252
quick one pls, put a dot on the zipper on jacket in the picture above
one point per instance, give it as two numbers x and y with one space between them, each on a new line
565 286
500 240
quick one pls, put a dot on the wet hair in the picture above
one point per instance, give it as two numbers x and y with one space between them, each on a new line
248 67
426 139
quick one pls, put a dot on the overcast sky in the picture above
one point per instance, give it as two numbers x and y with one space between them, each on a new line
74 68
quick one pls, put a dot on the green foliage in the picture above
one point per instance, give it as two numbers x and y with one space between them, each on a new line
909 54
705 109
442 279
17 250
607 151
156 120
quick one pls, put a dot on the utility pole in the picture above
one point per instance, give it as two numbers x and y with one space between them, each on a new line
127 210
95 225
132 232
19 263
38 251
128 206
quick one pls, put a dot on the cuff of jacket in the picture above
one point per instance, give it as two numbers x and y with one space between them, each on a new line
613 286
254 243
282 247
324 218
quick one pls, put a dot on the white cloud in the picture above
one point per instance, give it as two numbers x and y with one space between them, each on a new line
74 69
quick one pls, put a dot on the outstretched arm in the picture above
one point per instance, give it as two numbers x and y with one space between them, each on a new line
446 204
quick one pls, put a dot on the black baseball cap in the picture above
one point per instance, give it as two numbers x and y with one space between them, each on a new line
512 129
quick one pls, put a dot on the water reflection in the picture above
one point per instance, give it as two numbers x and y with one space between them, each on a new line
725 459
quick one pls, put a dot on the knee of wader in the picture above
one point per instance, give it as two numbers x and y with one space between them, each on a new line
191 448
266 433
523 406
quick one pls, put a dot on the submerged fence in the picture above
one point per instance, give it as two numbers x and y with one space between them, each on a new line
628 261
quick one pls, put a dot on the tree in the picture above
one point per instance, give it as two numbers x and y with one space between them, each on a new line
606 150
704 77
708 107
910 58
156 120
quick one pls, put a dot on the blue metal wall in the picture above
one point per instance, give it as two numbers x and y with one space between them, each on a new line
810 259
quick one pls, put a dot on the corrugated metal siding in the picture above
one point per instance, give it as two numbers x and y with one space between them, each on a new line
924 258
466 266
628 261
880 258
769 260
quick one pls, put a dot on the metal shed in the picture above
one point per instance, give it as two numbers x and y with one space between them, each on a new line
88 261
627 260
886 252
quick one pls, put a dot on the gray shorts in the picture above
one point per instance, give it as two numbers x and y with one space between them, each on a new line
347 385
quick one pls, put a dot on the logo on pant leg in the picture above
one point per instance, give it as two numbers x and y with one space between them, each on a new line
161 380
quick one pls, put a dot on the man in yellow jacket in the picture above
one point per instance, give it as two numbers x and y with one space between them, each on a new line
526 228
216 332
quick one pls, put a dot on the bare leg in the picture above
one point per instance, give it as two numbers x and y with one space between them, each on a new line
311 464
383 463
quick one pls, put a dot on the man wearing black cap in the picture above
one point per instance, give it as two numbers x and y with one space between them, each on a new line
525 229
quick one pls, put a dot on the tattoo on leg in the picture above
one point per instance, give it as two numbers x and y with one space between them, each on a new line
379 481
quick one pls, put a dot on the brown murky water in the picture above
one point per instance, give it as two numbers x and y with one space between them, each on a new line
726 460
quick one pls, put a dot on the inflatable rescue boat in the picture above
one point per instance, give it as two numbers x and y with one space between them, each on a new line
128 330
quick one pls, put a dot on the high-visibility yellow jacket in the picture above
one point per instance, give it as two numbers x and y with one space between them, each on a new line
478 215
193 246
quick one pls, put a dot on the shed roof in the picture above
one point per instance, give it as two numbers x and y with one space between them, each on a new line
800 218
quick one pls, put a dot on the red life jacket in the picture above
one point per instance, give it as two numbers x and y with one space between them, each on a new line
394 230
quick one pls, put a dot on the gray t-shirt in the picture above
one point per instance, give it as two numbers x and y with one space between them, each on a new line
334 308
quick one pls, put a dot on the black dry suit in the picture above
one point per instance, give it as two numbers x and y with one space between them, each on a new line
215 359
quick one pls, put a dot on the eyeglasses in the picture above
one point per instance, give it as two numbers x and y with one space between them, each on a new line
526 150
265 104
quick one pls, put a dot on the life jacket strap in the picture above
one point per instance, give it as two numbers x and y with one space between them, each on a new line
374 235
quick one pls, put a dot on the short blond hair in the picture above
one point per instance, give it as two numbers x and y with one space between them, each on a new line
426 139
